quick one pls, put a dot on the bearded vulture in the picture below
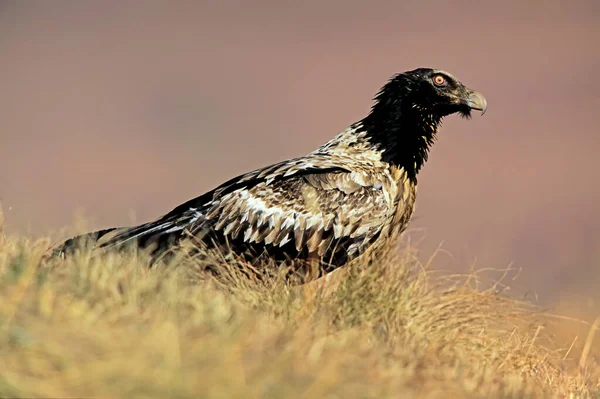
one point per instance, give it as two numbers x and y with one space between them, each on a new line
348 196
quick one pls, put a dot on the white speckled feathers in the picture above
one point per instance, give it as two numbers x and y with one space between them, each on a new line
312 211
339 196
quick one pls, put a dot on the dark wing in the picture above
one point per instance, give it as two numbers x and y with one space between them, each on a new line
305 205
330 214
169 228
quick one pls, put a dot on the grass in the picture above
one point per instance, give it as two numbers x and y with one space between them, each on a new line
107 326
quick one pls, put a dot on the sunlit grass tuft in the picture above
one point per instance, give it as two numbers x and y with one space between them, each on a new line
107 326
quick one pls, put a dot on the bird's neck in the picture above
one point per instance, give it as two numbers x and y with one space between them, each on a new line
402 133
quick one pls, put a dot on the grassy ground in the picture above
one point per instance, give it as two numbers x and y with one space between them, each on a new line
109 327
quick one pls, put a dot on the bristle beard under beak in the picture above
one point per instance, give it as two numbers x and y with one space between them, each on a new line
465 112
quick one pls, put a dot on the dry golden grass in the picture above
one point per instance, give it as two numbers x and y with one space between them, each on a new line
106 326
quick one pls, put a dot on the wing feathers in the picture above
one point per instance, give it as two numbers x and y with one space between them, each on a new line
316 234
299 232
310 211
307 203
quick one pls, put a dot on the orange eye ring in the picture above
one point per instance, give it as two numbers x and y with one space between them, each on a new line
440 80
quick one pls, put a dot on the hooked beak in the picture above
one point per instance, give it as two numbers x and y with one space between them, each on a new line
475 100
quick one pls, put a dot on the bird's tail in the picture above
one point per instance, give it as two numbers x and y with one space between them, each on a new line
69 246
156 235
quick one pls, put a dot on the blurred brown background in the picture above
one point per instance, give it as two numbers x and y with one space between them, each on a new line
114 106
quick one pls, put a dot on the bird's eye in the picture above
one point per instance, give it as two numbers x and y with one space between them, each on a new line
440 80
